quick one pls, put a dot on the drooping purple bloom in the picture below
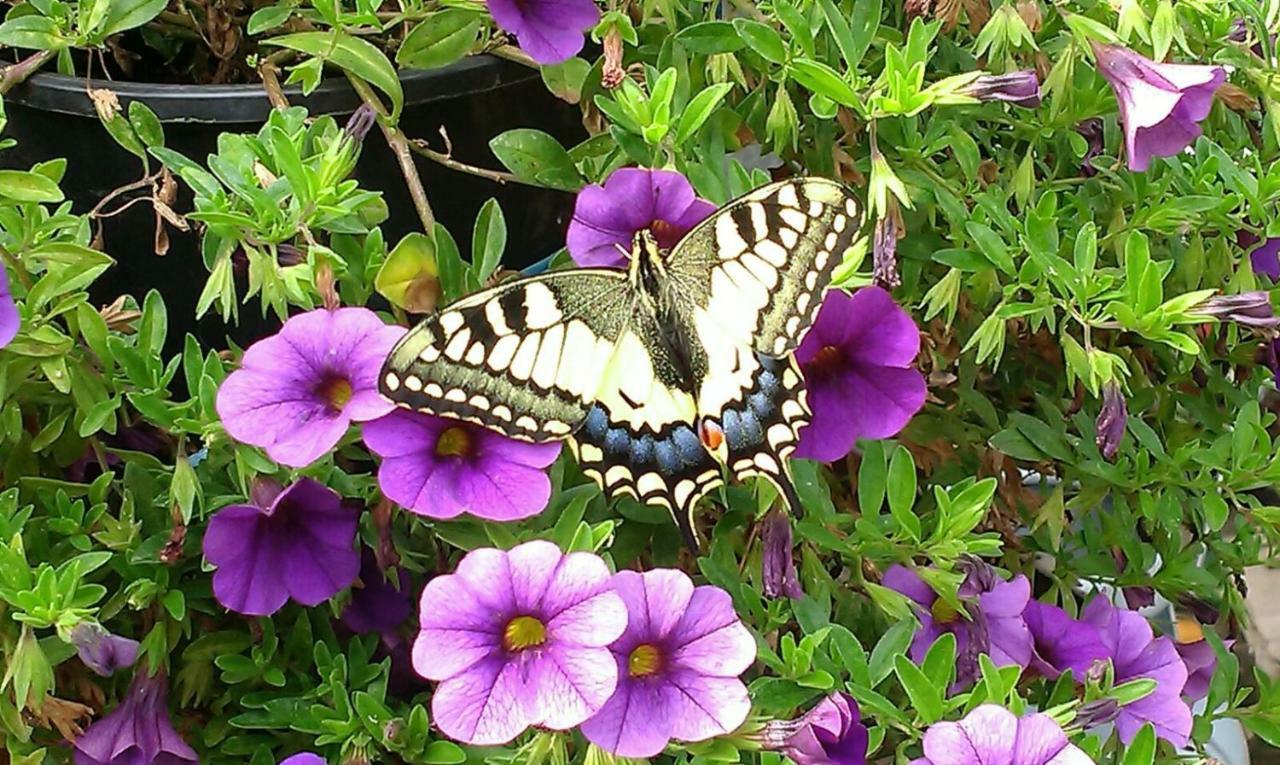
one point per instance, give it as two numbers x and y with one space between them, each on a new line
777 567
995 625
1266 258
1061 643
678 664
519 638
831 733
1138 597
884 254
1091 130
857 366
292 543
550 31
1112 420
360 122
377 604
1020 88
101 651
303 758
9 318
1201 662
1136 653
441 468
607 218
1251 309
1161 105
297 391
991 735
138 732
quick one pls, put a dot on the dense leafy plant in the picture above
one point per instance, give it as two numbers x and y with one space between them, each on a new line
244 533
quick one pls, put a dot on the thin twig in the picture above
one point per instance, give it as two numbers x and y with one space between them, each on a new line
15 74
145 181
400 146
420 146
512 53
270 74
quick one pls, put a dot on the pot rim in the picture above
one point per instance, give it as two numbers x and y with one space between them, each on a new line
246 103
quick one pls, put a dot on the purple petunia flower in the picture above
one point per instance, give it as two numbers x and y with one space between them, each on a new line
10 321
1201 662
995 625
1161 105
292 543
992 734
1020 88
297 391
517 638
303 758
607 218
857 366
550 31
137 732
377 605
1112 420
1265 258
1136 653
101 651
777 567
441 468
831 733
1060 643
678 664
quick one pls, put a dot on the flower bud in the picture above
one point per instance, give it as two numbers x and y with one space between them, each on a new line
1112 420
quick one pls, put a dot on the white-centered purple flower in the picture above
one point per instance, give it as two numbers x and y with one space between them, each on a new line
994 624
101 651
1136 653
291 543
298 391
1161 105
10 321
442 468
992 735
857 364
678 665
137 732
518 638
607 218
550 31
831 733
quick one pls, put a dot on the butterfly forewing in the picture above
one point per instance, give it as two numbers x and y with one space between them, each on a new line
525 359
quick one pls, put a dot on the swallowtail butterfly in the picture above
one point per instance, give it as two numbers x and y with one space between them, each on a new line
660 376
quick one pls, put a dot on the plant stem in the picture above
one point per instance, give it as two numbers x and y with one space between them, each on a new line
400 146
512 53
15 74
498 176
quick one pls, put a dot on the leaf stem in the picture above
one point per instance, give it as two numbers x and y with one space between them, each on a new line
443 158
400 146
15 74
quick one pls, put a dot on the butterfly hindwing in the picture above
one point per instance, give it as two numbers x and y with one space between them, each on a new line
524 359
763 427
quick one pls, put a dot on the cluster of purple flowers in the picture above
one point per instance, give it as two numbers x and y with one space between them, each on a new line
1003 622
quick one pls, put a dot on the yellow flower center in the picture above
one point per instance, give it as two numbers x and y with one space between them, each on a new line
644 661
454 442
523 632
943 612
337 392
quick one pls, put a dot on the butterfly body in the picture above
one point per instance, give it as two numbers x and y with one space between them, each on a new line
662 375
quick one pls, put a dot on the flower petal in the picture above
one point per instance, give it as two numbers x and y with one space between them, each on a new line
710 617
570 684
635 722
482 705
701 707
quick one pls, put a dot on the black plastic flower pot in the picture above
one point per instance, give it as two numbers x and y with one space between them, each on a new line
474 99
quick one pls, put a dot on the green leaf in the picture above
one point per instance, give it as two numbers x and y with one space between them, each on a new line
872 476
823 80
1142 749
762 39
891 645
940 662
409 276
32 32
902 491
925 697
129 14
866 22
452 270
535 156
440 39
268 18
145 124
699 110
488 240
24 186
842 33
991 246
710 37
351 54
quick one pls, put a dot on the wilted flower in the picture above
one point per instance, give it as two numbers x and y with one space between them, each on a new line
550 31
1061 643
9 319
778 569
1091 130
517 638
1138 597
1112 419
298 391
994 625
1252 309
137 732
1098 712
377 604
678 664
831 733
884 254
1239 31
1161 105
360 122
1020 88
992 734
441 468
101 651
607 218
291 543
1136 653
857 366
